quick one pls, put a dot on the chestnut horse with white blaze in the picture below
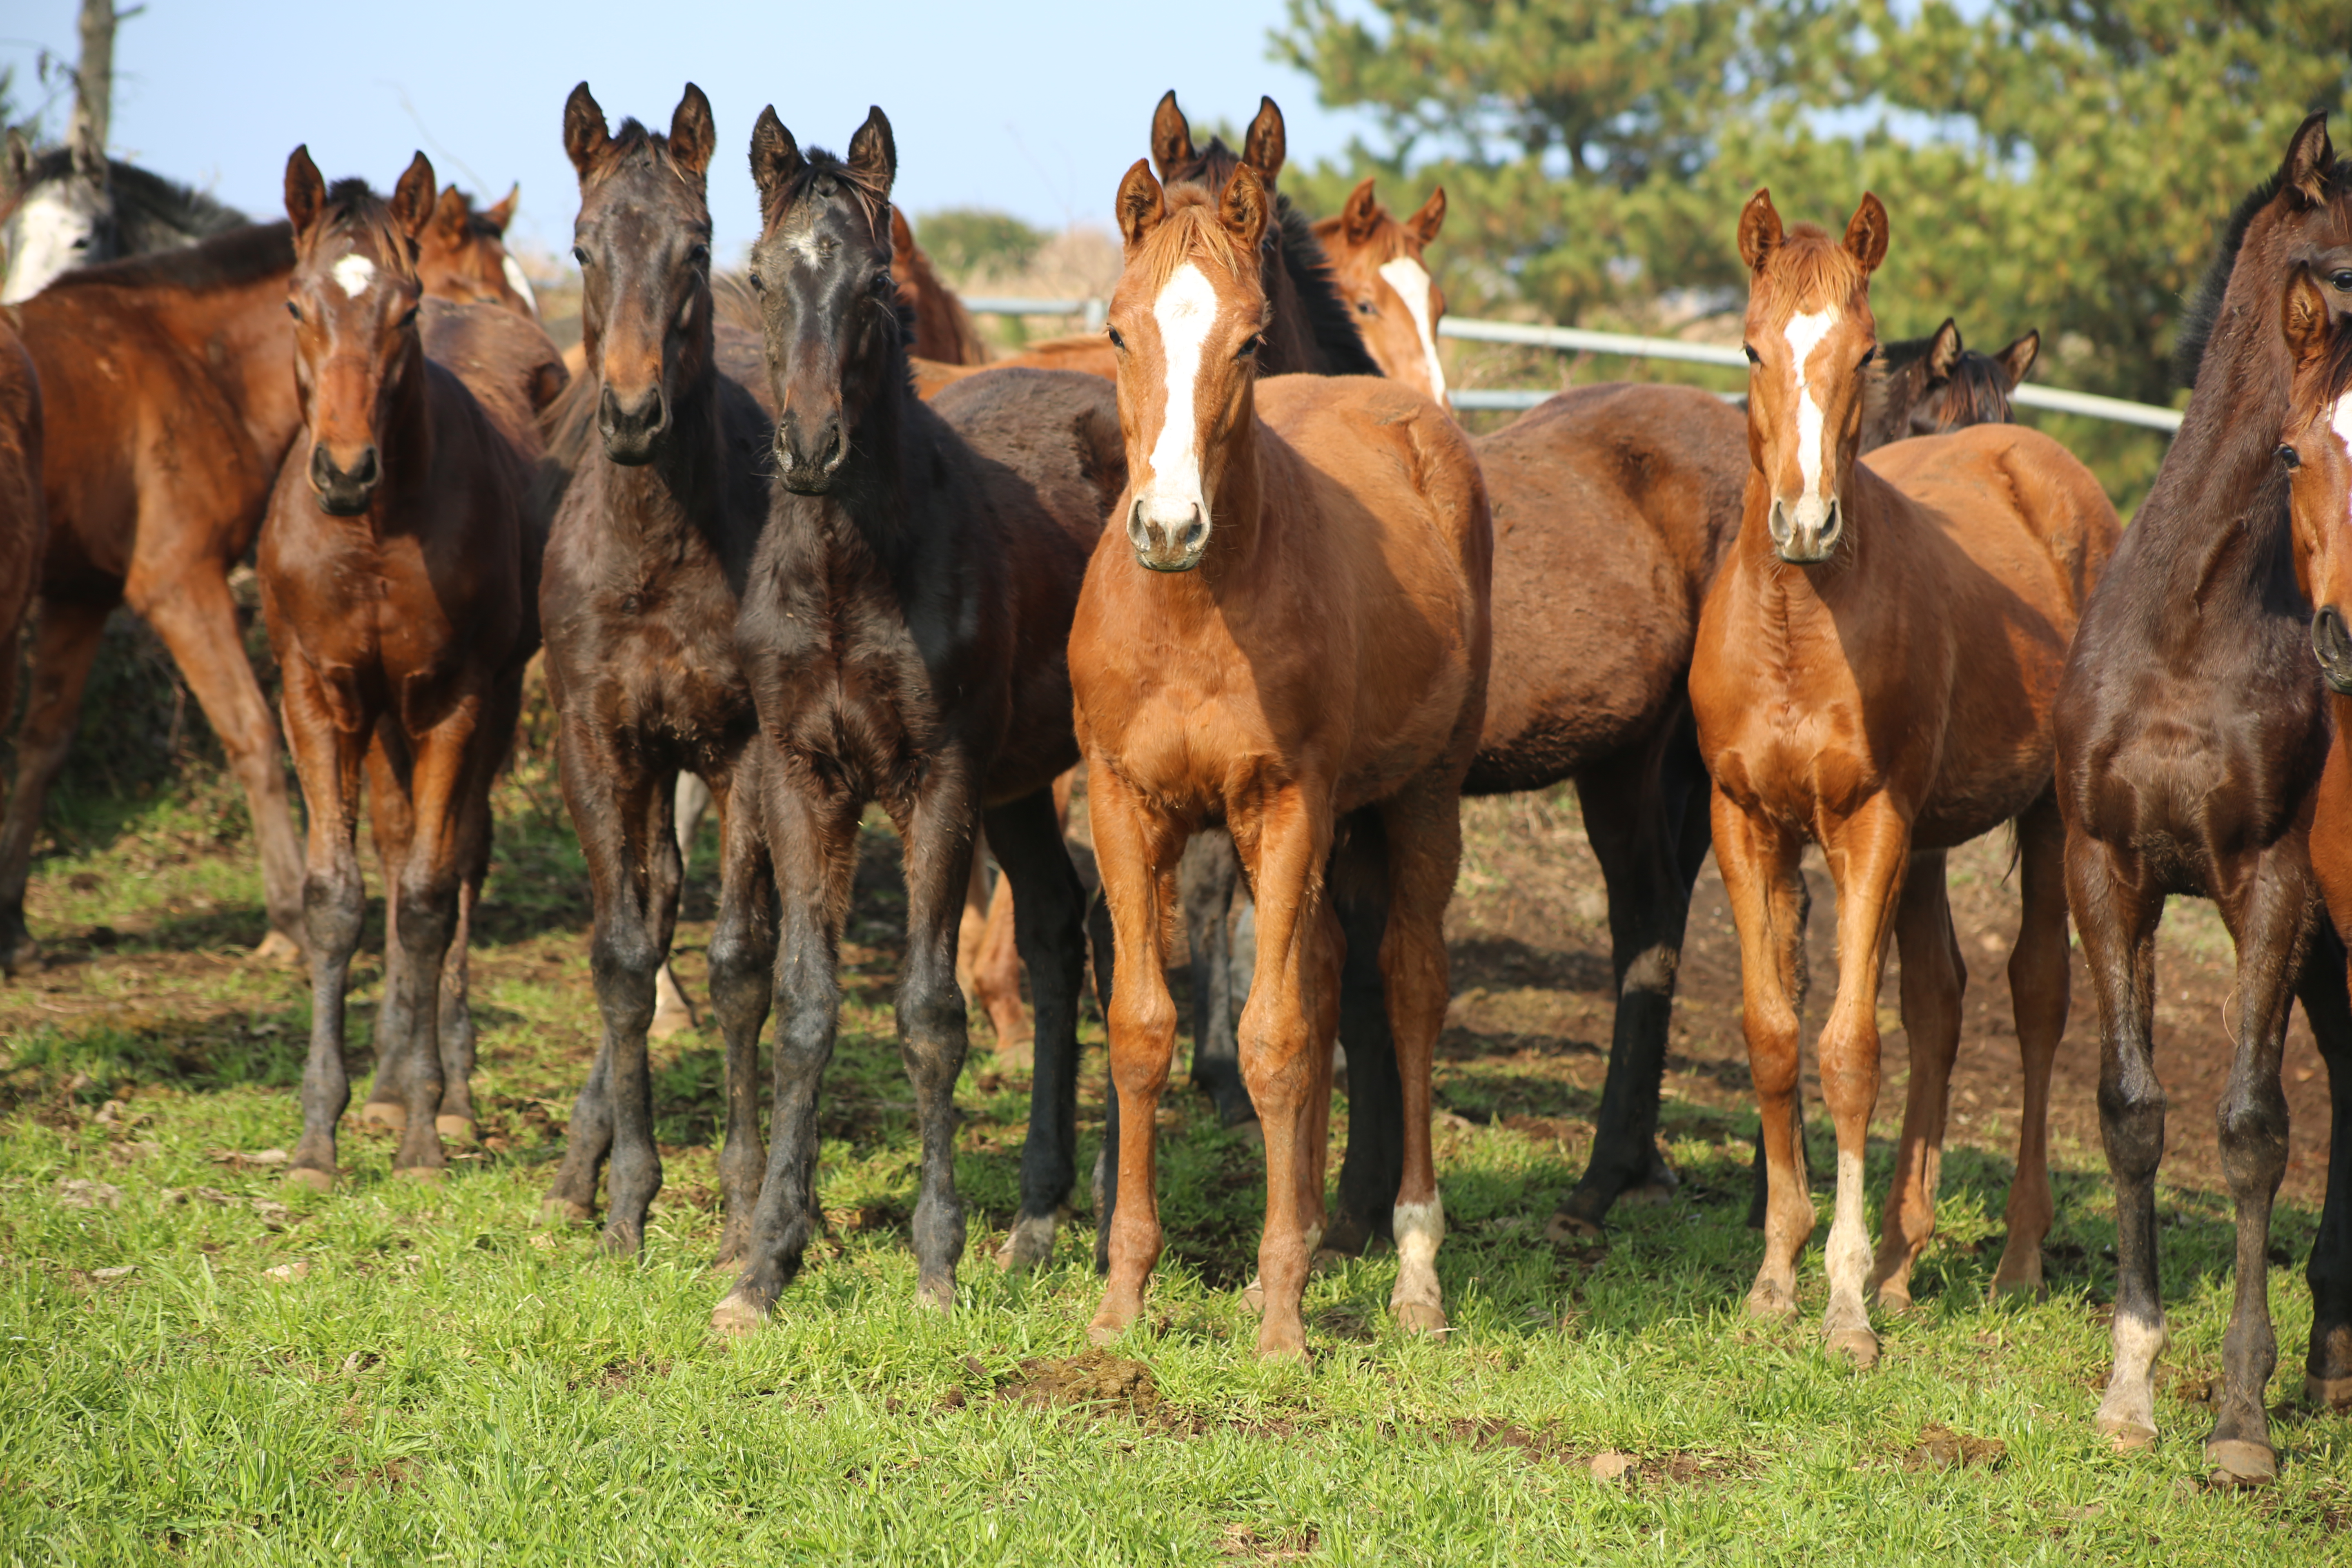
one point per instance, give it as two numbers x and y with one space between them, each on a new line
1287 625
1874 671
1379 265
399 570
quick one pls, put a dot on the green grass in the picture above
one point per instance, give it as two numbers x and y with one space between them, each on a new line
442 1379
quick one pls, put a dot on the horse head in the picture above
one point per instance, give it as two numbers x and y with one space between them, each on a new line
462 255
1378 264
2315 448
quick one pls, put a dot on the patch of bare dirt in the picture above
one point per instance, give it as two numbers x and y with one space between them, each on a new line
1941 1449
1093 1381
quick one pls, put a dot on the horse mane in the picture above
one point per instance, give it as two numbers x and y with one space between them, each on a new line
1978 393
2204 311
227 260
142 197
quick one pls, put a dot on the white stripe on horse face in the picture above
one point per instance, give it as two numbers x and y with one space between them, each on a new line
519 284
2340 421
1411 281
1806 330
353 274
1185 311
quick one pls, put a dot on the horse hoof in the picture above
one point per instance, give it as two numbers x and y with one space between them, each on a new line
1858 1345
1031 1243
937 1292
1420 1317
1568 1229
737 1313
1771 1300
2242 1463
622 1240
2126 1435
1894 1299
2336 1392
565 1211
316 1181
389 1114
456 1129
278 947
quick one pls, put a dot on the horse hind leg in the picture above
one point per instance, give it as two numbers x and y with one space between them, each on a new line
1050 906
2039 980
394 828
932 1030
1933 980
673 1009
1424 851
2328 1368
1374 1163
742 988
65 644
1207 877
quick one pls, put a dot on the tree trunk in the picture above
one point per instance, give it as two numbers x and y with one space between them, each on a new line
93 87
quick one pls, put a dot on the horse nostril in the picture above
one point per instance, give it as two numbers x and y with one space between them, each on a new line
363 471
2331 641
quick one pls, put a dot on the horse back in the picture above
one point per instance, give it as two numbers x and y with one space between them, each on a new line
1981 473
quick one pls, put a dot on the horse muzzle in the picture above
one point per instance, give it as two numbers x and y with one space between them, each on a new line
632 428
344 492
808 467
2332 641
1807 534
1167 539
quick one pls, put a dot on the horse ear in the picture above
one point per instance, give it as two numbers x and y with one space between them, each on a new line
1425 223
874 152
902 242
1944 353
1760 230
2305 317
306 191
1141 205
2309 159
412 199
584 134
499 216
775 158
449 215
1865 235
1266 146
692 137
1244 208
1361 215
1172 135
2018 358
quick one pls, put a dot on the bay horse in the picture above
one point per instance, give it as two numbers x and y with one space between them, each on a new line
1379 267
903 633
1874 670
1286 631
944 329
168 385
2192 726
398 567
61 209
647 560
462 254
24 516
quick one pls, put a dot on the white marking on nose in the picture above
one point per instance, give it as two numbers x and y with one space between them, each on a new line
353 274
1185 311
1805 332
1411 281
519 284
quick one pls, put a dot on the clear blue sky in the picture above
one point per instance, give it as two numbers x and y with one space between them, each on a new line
1035 109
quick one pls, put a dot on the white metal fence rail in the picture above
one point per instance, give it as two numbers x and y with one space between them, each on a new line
1577 340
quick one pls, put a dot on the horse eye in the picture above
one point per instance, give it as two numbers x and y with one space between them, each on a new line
2289 458
1250 345
2342 278
1116 340
408 317
1869 353
700 256
756 286
1750 352
293 310
580 255
1364 307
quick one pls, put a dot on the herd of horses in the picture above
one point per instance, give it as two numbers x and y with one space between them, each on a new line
792 547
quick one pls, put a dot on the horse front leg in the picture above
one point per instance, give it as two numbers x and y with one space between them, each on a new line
742 986
1424 852
1049 910
1933 980
938 831
2327 1366
65 644
2040 981
328 748
395 827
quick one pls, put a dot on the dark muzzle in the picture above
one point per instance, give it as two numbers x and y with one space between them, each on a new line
2332 641
344 492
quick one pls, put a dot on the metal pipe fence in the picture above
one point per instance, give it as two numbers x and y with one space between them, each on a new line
1577 340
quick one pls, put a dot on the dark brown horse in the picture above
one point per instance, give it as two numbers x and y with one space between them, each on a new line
1935 384
169 390
24 519
398 568
2192 726
1287 631
903 631
667 440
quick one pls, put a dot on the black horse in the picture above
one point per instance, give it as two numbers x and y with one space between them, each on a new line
650 549
904 632
2191 724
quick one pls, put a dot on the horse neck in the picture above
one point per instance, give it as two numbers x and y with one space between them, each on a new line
864 516
680 487
420 402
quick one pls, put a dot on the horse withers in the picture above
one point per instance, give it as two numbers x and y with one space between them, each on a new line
1284 630
1874 671
903 631
2192 726
399 571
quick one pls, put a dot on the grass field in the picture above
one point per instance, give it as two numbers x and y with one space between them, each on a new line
197 1363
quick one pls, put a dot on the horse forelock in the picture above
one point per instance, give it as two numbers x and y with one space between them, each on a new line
1808 272
821 176
1191 232
354 212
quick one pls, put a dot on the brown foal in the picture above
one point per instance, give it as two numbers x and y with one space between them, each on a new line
399 568
1875 669
1287 623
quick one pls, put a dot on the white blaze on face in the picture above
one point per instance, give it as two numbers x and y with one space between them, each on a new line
1412 283
1806 331
353 274
1185 311
519 284
2340 421
53 233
